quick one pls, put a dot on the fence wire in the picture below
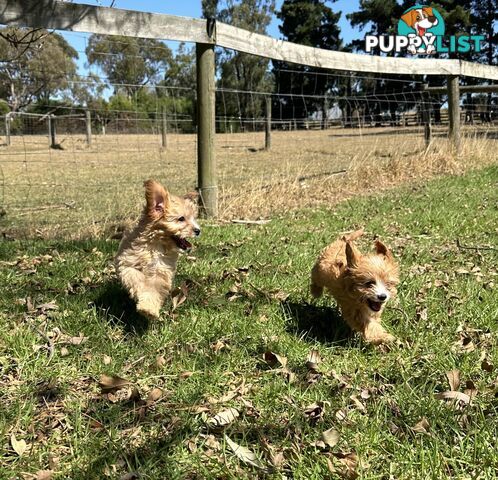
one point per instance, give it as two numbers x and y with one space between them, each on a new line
73 168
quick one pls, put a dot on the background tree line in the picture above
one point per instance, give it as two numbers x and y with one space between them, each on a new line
145 77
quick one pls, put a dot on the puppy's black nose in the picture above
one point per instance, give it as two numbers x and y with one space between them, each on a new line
381 297
197 231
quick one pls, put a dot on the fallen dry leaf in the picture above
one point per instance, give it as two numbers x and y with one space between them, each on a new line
350 462
107 359
458 396
453 377
64 352
130 476
315 411
421 426
19 446
178 296
357 403
110 384
313 360
273 359
245 455
47 306
154 395
44 475
218 345
341 414
160 361
487 366
330 437
77 340
223 418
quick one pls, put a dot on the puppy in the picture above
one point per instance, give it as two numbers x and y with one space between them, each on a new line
147 256
361 284
420 19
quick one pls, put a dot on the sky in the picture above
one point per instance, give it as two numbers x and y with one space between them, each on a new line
192 8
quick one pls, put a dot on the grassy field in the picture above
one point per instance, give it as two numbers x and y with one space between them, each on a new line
230 365
86 191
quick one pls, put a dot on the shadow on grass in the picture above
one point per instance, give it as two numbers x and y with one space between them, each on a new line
323 324
115 306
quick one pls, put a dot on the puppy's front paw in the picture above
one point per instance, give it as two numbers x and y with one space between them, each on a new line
148 311
376 335
431 49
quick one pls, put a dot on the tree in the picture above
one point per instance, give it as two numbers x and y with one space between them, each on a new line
312 23
209 8
240 74
484 21
129 63
380 16
36 73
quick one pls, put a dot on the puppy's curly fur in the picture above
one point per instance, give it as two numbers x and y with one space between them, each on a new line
361 284
147 256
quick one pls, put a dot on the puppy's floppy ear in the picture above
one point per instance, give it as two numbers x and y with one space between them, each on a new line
428 11
410 17
157 199
381 249
352 255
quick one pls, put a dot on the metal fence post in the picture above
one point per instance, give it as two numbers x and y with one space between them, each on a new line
206 129
268 123
454 110
88 119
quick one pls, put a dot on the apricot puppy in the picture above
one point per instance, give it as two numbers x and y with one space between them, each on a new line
147 256
360 284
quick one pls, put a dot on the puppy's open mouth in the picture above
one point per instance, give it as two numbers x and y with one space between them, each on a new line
421 30
181 243
375 306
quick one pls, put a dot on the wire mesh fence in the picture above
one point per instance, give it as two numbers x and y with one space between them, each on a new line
77 167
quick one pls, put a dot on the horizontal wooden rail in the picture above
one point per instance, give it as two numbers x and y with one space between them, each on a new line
76 17
463 89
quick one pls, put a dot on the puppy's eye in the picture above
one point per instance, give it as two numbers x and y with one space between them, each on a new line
369 284
181 219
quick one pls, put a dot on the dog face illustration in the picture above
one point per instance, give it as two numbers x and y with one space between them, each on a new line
420 19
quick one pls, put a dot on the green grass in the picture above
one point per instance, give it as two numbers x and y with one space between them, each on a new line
214 343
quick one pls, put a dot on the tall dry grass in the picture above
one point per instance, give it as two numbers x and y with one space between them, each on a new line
82 191
367 173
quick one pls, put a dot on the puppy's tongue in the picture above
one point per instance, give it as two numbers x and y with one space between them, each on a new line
182 243
375 306
421 31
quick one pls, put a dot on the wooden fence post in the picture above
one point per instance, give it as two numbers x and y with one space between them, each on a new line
7 129
454 110
325 113
268 123
88 120
206 129
426 116
51 131
164 128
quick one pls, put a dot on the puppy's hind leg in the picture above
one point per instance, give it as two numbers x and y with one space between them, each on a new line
147 300
149 304
152 296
